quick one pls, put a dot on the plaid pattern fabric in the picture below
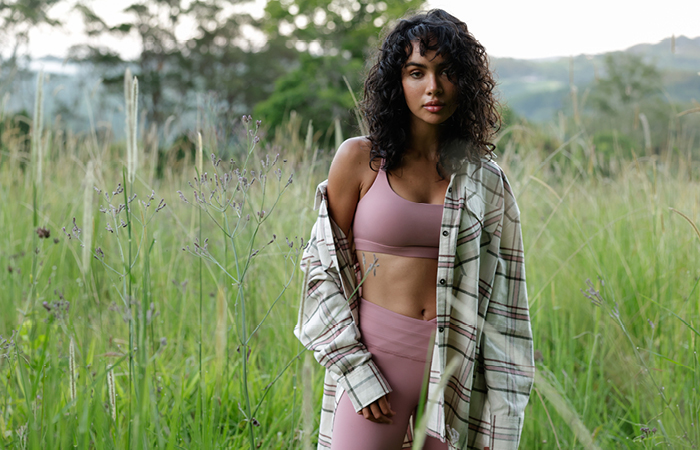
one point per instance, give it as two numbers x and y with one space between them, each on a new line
483 318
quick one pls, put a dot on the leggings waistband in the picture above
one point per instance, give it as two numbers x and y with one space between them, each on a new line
395 333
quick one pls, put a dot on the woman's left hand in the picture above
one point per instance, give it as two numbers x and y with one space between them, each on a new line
379 411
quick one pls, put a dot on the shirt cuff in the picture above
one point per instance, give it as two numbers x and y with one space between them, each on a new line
506 432
364 385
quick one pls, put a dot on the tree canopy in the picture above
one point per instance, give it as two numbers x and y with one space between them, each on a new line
333 40
628 81
17 19
295 58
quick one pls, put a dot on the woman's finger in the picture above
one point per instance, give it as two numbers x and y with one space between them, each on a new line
376 411
385 407
377 415
366 412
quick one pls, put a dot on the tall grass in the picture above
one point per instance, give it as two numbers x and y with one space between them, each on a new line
150 349
623 364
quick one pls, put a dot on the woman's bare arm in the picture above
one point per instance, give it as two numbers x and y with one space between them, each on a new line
349 179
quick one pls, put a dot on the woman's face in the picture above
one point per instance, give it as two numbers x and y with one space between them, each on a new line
430 95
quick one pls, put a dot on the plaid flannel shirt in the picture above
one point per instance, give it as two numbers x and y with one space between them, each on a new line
482 317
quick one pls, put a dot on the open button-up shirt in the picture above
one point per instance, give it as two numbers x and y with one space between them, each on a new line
482 317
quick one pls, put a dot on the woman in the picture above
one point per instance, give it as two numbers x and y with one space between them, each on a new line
419 216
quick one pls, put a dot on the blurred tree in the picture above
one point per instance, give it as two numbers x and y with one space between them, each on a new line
17 18
294 58
627 102
316 90
231 56
171 70
155 23
333 39
627 82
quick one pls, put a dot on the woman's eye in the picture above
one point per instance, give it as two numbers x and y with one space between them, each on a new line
415 74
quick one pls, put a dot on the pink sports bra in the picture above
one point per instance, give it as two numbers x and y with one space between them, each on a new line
385 222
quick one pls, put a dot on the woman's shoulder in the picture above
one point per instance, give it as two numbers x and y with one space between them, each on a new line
353 151
349 177
352 160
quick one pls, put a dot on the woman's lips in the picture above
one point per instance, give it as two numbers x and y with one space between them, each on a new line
433 108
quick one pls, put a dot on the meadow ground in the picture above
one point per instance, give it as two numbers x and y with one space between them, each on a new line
171 326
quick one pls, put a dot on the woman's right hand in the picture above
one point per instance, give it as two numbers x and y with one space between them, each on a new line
379 411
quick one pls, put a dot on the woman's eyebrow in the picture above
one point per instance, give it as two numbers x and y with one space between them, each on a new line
423 66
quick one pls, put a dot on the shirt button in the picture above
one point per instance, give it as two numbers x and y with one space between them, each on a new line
445 233
449 189
441 329
442 281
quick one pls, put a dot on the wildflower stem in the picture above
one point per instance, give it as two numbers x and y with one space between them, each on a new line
269 310
244 327
35 249
279 374
201 327
127 298
222 334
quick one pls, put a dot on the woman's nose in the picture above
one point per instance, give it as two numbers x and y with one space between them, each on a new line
434 85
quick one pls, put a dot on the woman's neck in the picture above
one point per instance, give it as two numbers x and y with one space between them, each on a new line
423 142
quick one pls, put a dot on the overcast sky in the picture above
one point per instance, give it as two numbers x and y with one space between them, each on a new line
545 28
507 28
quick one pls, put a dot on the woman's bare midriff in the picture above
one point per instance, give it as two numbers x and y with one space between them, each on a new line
400 284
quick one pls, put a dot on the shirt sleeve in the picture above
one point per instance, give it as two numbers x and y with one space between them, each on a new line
326 324
507 352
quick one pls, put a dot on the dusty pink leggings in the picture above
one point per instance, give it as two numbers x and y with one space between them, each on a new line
399 347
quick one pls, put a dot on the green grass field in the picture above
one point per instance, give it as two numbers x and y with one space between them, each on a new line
177 332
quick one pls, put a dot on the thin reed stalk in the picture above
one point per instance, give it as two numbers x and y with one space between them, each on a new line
88 220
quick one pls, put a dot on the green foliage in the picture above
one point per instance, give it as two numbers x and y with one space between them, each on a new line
538 89
17 123
351 26
120 311
316 90
629 81
335 39
299 68
623 363
612 145
180 154
624 112
218 58
508 117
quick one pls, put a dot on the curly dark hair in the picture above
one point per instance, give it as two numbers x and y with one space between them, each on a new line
467 134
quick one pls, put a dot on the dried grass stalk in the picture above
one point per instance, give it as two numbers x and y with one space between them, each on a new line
38 129
87 215
72 370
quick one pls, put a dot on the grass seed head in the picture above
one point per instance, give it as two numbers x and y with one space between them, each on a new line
73 374
112 393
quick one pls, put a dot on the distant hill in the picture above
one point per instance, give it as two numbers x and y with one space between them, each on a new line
537 89
534 89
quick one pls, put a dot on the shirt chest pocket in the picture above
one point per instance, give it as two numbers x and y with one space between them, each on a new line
469 235
480 221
